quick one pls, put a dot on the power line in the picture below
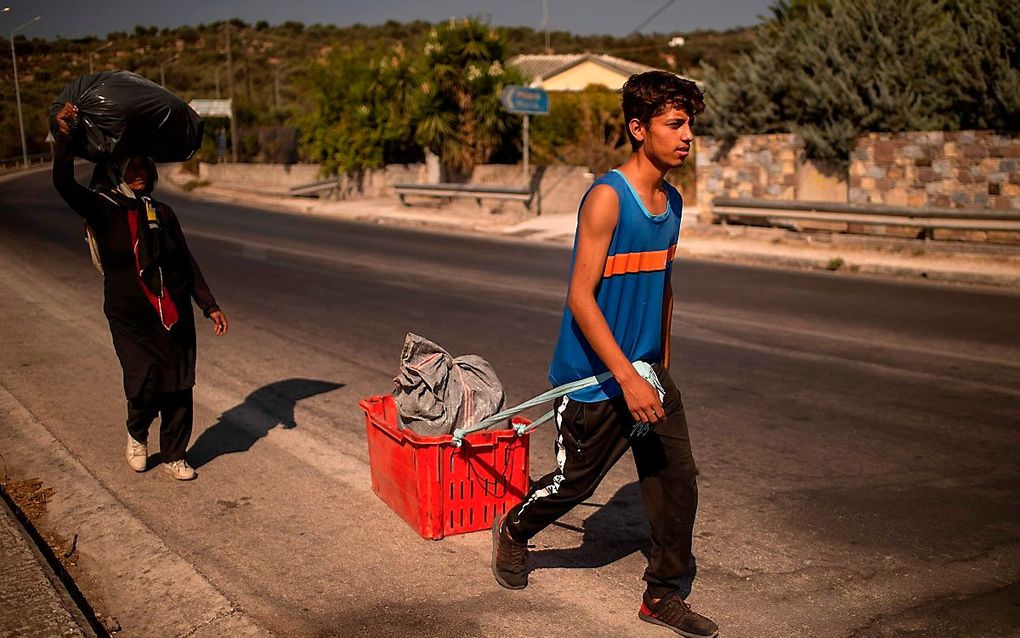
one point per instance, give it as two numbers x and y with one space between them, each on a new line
651 17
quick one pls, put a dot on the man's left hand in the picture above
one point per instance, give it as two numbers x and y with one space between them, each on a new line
219 322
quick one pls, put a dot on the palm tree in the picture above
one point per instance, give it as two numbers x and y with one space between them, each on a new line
459 115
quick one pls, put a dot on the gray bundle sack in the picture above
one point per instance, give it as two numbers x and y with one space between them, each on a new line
436 393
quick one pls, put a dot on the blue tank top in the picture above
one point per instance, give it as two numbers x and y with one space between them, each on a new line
631 293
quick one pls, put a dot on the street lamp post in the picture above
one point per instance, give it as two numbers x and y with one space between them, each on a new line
17 89
276 85
95 51
230 92
162 71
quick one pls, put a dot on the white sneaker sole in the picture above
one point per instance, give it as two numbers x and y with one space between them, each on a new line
145 465
174 475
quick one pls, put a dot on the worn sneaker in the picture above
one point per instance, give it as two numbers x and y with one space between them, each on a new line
180 470
673 612
509 558
137 455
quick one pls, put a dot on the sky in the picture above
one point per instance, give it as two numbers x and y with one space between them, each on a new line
79 18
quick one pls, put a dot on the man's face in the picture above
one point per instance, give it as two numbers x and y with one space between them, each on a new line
136 174
667 138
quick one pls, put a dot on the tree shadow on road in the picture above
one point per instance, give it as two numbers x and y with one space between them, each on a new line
240 427
614 531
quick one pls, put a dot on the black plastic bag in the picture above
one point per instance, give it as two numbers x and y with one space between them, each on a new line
121 114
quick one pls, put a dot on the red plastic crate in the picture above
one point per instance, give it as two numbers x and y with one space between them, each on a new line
437 488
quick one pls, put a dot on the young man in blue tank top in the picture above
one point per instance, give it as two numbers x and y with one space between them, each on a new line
618 311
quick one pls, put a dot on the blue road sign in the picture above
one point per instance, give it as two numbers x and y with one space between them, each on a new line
525 100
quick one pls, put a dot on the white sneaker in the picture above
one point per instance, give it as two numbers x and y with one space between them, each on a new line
137 455
180 470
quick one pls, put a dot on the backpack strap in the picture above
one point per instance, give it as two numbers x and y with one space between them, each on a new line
90 241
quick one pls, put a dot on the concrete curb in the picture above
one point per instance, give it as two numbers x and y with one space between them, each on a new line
36 600
148 588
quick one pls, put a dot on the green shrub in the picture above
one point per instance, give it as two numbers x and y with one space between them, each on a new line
834 264
830 71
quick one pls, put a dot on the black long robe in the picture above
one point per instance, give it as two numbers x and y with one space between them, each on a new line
153 358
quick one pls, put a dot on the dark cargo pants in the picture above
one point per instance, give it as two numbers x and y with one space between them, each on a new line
590 439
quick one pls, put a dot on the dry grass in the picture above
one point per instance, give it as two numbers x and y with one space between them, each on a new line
29 495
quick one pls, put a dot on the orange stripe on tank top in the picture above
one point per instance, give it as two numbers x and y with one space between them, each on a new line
627 263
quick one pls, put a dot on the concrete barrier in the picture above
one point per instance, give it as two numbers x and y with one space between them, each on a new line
281 176
561 186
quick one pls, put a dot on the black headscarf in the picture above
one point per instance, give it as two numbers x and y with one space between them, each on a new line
107 176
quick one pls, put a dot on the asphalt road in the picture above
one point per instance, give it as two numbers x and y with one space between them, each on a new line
857 438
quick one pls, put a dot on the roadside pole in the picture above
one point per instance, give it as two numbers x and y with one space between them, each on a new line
17 90
230 96
527 147
526 101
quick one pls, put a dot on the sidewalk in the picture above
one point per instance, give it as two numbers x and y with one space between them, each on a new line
118 551
944 261
33 601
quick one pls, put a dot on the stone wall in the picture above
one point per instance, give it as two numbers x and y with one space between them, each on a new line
758 166
952 169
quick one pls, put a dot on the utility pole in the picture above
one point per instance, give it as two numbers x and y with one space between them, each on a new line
162 71
230 94
276 85
17 90
545 24
247 80
95 51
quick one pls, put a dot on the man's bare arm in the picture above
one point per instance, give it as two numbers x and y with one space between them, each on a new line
595 228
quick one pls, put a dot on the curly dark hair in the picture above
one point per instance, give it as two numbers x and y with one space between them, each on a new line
648 94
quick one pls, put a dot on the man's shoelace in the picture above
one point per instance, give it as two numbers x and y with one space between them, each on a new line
514 552
675 607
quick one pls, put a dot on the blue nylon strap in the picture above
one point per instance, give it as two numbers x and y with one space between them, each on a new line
643 368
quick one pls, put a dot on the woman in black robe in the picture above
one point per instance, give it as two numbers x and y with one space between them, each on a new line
149 279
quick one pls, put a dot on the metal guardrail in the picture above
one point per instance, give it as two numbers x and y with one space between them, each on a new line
15 163
476 191
926 220
316 188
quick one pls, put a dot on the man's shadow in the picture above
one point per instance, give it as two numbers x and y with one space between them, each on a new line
241 426
613 531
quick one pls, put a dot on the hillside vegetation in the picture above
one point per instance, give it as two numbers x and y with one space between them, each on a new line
292 54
